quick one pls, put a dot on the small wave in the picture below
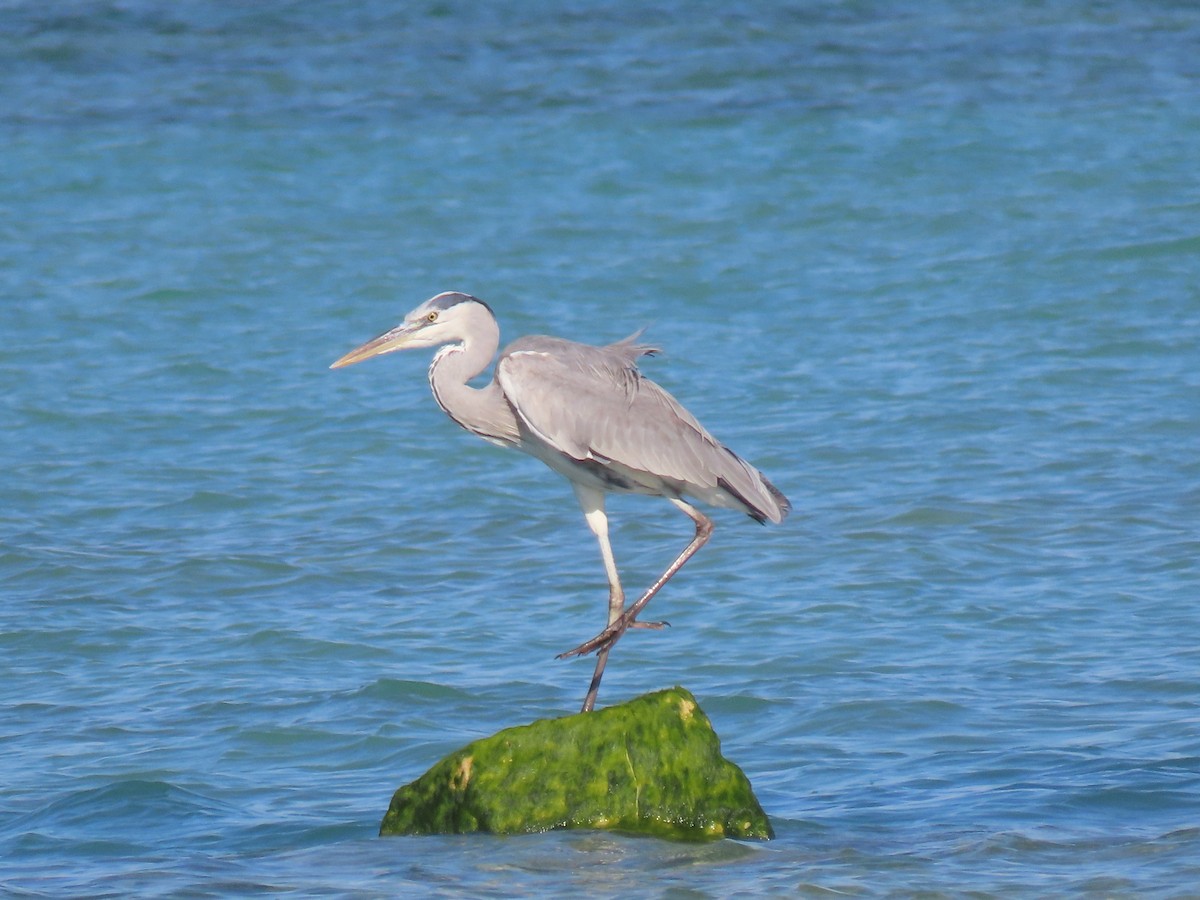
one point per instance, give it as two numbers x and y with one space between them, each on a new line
114 812
395 690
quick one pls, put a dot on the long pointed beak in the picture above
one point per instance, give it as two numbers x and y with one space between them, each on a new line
385 343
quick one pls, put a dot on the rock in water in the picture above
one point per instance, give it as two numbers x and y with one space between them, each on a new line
649 766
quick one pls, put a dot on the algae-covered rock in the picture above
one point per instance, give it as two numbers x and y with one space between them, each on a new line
650 766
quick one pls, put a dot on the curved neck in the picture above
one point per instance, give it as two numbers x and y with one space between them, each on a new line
482 411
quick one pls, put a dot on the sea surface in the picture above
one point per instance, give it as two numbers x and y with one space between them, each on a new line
933 266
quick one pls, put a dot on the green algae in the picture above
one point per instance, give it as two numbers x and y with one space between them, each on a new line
650 766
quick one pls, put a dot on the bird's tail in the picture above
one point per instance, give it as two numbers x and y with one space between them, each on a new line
754 493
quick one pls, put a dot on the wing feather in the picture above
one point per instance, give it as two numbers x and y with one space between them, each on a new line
594 406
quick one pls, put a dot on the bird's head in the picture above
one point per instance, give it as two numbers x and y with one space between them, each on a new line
443 319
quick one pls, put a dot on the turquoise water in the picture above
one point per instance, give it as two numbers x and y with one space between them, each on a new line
932 267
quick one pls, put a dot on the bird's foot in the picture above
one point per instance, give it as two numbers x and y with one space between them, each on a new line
610 635
653 626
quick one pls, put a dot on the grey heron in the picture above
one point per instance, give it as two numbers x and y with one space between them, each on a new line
589 414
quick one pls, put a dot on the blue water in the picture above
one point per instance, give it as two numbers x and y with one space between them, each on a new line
932 266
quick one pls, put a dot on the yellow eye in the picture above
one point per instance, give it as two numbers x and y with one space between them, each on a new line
432 317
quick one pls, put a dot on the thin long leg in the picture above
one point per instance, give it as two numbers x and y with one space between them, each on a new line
610 635
591 501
